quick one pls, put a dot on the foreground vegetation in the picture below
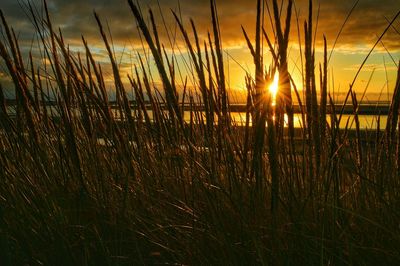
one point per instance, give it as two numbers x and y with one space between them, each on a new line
99 184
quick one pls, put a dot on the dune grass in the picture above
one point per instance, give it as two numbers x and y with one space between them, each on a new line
91 182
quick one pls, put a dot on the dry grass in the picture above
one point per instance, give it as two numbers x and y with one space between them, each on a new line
80 186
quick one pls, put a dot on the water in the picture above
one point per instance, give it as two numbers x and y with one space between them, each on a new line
367 121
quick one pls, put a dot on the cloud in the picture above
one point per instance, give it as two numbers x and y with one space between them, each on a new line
75 18
371 67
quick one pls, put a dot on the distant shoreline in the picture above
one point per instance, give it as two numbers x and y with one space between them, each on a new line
372 108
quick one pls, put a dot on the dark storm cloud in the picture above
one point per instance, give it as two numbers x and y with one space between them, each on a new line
75 18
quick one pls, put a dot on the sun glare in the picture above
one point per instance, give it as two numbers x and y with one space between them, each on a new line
273 87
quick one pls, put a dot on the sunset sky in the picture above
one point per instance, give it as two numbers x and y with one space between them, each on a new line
366 24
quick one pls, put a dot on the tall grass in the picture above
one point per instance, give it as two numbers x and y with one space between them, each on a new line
90 181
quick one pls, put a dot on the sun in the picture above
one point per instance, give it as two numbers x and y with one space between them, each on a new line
274 87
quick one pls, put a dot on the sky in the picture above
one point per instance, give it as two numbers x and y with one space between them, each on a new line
367 22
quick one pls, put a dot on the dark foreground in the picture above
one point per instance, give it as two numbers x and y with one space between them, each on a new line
88 189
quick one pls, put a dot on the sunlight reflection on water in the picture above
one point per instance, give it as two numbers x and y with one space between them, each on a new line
239 118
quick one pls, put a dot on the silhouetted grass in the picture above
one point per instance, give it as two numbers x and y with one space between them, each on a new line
92 182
